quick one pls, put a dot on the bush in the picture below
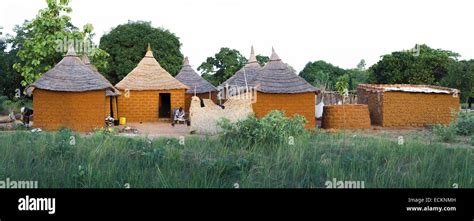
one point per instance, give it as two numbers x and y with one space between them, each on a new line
2 100
445 133
274 128
465 124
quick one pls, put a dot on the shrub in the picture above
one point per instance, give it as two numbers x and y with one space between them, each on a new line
465 124
445 133
274 128
64 142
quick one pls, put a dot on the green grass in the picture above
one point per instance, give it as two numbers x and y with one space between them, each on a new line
104 161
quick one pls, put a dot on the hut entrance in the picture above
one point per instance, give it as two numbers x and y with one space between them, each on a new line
164 109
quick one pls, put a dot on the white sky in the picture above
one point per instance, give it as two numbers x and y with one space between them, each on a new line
341 32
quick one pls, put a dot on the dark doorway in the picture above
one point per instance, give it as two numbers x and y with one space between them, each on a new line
164 109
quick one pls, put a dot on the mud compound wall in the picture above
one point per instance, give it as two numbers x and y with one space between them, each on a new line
418 109
302 104
348 116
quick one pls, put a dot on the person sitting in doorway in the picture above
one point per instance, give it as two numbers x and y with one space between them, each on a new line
179 116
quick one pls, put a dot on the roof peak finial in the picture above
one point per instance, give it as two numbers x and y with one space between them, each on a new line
149 52
252 58
274 56
71 51
186 61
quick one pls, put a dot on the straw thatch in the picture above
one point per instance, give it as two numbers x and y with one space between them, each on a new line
190 78
277 77
70 75
246 74
149 75
110 92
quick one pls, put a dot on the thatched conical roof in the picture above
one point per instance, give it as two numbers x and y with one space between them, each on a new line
245 74
112 91
149 75
193 80
70 75
277 77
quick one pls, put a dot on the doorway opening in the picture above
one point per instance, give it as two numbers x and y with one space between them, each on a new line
164 107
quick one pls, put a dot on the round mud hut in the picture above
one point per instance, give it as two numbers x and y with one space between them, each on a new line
149 93
198 86
70 95
242 79
280 88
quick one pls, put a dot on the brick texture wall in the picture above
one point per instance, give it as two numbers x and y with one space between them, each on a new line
79 111
417 109
356 116
142 106
302 104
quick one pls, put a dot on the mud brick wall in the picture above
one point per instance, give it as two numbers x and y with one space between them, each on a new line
417 109
302 104
201 96
142 106
356 116
79 111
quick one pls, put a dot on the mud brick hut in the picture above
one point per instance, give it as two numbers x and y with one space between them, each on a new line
280 88
396 105
197 85
112 95
149 92
70 95
243 77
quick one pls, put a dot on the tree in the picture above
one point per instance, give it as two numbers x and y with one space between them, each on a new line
361 65
321 71
127 44
222 66
38 40
423 66
262 60
461 76
10 80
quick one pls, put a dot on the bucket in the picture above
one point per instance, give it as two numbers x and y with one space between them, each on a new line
123 121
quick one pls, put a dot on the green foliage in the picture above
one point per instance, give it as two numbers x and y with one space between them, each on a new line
64 143
322 72
461 76
127 44
272 129
445 133
465 124
223 65
10 80
342 85
38 40
422 65
114 161
262 60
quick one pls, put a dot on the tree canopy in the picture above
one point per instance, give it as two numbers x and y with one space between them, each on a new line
461 76
222 66
321 72
38 40
422 65
127 44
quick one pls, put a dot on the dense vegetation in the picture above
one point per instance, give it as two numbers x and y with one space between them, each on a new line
127 44
261 155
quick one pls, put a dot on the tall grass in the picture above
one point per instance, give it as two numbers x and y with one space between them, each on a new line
105 161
